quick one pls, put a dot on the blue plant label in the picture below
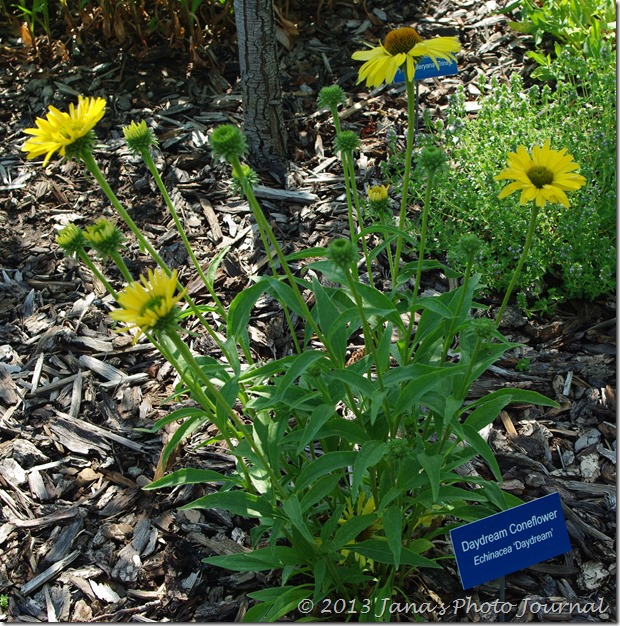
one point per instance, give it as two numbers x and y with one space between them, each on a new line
426 68
510 541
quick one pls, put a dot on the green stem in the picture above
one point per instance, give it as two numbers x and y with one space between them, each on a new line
407 174
93 168
422 247
189 359
369 339
118 261
350 180
526 248
263 225
148 159
91 266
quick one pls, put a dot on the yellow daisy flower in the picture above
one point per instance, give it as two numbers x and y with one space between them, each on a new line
543 176
59 129
149 304
402 46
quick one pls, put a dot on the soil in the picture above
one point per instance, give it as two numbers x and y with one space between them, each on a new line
79 539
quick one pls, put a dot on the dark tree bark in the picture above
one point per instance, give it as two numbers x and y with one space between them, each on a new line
260 86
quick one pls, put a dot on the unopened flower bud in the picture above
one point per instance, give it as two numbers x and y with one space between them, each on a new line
227 141
330 97
341 252
378 199
484 327
432 159
71 239
104 237
469 245
347 142
139 137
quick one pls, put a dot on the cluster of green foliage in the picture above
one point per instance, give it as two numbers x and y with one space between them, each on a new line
586 26
574 254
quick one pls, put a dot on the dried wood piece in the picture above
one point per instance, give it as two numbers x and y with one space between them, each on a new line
48 574
79 440
285 195
64 541
102 432
46 520
9 392
109 372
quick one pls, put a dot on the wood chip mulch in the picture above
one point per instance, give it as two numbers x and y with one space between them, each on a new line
79 539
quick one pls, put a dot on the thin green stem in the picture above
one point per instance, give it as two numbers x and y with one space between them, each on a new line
93 168
82 254
418 275
189 359
118 261
148 159
526 248
407 174
263 224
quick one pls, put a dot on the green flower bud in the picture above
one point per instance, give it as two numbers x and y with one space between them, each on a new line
71 239
139 137
250 175
398 448
347 141
432 159
228 141
330 97
341 252
469 245
104 237
484 327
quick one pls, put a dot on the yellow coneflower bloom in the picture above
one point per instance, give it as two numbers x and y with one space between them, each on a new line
402 46
149 304
543 176
59 130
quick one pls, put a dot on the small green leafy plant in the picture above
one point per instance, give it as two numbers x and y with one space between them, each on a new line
576 256
349 461
588 27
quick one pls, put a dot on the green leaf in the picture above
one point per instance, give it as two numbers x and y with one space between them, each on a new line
179 414
370 454
432 465
298 366
241 308
215 263
279 603
190 476
392 519
378 550
352 528
319 490
329 462
272 557
315 422
328 313
236 502
293 510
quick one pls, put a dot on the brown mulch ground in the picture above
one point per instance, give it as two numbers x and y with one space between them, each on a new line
79 539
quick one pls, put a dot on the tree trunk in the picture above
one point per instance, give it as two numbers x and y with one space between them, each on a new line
260 86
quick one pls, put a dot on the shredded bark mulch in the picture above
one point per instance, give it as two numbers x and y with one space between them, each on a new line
79 539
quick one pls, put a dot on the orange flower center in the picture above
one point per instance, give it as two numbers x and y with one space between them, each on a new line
401 40
540 176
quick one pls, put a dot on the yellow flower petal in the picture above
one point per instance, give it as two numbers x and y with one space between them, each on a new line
543 175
